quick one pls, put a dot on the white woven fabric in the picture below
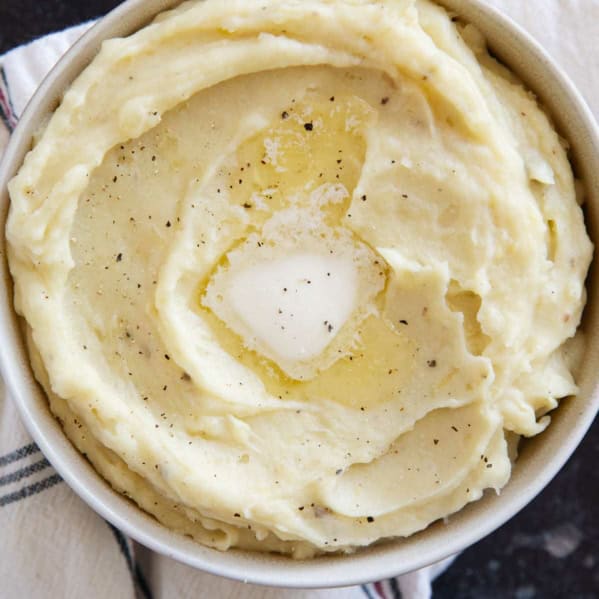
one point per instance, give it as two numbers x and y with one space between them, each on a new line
53 545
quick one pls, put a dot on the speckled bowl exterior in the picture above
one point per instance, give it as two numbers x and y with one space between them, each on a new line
541 457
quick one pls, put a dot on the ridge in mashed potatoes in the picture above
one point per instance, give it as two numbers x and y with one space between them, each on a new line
295 289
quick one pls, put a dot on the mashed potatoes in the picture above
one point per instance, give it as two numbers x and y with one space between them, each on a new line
297 274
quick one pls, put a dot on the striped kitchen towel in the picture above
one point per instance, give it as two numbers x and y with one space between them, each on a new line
52 544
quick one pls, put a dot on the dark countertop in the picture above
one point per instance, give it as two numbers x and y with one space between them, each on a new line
521 560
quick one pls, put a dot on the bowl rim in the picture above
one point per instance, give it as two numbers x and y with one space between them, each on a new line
375 563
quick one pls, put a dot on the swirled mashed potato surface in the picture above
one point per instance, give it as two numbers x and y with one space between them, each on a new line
293 272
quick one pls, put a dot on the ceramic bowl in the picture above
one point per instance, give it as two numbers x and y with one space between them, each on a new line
540 458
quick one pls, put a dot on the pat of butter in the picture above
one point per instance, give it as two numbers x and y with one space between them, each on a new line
294 305
296 292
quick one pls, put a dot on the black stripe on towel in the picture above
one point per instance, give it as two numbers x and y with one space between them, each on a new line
30 490
139 582
395 588
22 452
366 591
24 472
4 118
7 110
